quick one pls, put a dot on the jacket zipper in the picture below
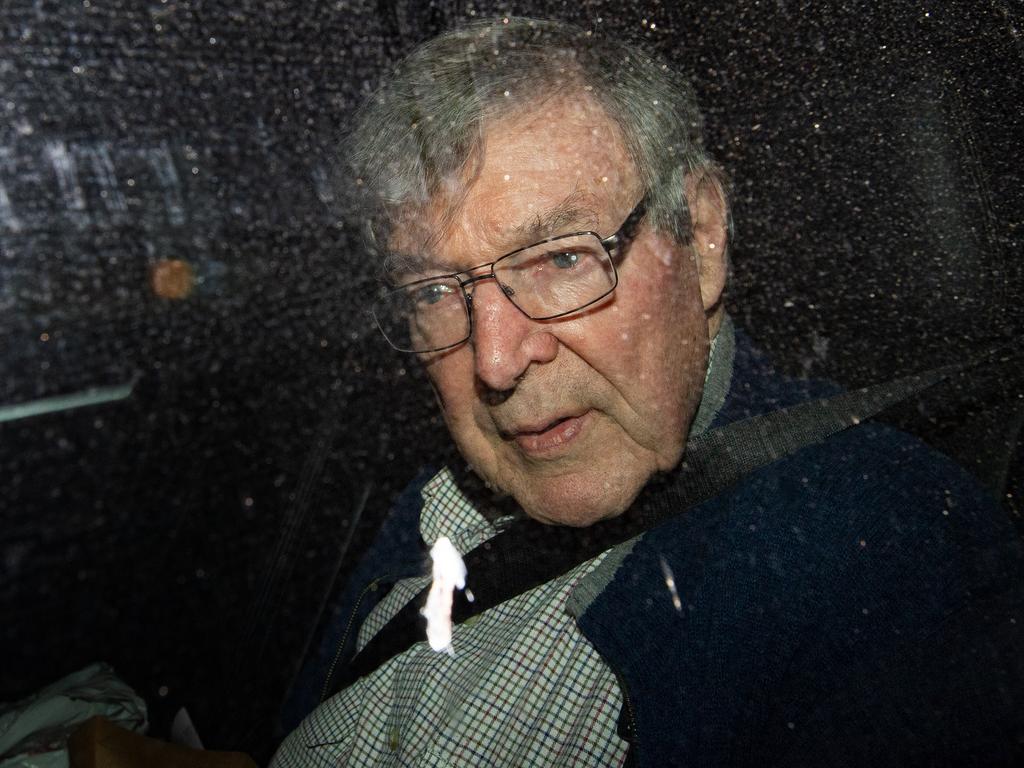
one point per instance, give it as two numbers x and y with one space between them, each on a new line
344 638
627 706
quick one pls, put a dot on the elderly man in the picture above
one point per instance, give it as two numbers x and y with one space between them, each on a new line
554 239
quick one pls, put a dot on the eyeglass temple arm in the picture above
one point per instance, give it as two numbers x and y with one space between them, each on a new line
628 229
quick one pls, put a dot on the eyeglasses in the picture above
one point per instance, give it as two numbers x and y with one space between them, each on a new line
547 280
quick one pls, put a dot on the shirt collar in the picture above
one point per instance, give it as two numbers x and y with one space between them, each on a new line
447 511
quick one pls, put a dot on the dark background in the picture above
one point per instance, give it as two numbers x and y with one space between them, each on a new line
190 534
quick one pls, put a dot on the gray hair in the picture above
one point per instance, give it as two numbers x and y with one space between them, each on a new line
423 130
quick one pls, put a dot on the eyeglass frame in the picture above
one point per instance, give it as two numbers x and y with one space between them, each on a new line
617 241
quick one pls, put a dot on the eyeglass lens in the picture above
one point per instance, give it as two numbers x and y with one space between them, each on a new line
545 281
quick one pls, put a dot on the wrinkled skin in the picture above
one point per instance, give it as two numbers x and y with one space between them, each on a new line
628 373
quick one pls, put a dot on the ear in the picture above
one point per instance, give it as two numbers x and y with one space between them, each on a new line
709 216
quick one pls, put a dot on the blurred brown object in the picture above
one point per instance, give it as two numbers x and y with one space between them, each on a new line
172 279
101 744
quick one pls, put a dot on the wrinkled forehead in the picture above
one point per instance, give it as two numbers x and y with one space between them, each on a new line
545 169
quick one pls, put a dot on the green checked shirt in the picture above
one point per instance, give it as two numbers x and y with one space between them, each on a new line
523 687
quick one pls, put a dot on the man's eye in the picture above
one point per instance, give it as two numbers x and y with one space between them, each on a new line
432 294
565 259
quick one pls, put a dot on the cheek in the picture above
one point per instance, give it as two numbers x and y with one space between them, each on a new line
668 355
448 379
453 381
661 314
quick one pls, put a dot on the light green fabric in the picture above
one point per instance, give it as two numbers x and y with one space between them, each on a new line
29 728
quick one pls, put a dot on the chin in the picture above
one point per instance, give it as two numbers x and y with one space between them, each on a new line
573 518
579 507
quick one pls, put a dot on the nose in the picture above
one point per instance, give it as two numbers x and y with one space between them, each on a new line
505 341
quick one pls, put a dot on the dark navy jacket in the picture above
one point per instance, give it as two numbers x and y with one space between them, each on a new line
855 603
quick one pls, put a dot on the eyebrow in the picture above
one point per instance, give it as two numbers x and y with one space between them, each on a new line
397 265
570 214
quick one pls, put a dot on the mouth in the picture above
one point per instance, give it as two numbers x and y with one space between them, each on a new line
549 438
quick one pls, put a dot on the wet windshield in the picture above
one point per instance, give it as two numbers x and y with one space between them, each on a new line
201 427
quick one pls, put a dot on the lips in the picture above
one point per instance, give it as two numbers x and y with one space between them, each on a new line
552 436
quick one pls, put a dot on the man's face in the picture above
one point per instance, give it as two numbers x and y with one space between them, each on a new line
570 416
